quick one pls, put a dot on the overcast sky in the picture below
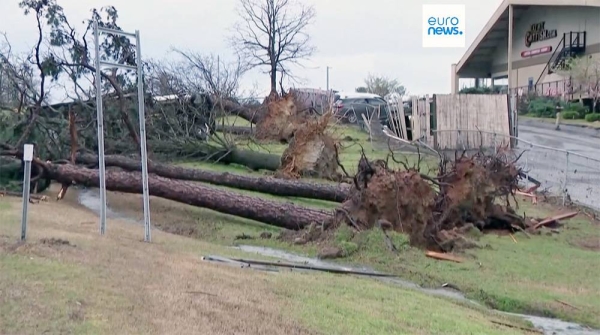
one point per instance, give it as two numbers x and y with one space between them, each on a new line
353 37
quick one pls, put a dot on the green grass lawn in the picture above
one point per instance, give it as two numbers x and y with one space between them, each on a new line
118 284
544 275
538 275
541 275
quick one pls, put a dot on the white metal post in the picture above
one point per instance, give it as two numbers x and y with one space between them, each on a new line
27 158
100 122
143 149
142 119
328 78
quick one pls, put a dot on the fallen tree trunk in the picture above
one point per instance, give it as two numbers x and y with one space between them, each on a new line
252 159
215 153
284 215
269 185
251 114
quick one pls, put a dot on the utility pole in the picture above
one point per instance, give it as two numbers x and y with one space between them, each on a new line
328 77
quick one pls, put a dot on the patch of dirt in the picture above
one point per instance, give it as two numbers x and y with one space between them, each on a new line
588 243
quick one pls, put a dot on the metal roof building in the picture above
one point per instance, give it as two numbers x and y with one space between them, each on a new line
526 40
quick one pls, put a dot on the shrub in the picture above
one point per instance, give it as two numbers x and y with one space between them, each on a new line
478 90
570 115
546 107
578 107
542 107
592 117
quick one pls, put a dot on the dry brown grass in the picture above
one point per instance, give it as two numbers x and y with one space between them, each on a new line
134 287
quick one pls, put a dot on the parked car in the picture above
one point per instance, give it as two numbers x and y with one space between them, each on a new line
351 108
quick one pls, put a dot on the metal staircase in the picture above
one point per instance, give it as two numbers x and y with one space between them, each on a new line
572 44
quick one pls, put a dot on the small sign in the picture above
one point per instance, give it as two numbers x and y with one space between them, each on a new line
28 152
536 52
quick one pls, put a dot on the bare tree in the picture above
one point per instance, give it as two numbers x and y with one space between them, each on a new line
382 86
215 76
18 82
272 34
584 73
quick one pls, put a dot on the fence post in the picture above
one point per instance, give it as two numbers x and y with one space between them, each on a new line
495 145
27 158
566 180
526 169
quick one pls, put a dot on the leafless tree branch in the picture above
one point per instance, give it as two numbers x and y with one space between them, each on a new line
272 34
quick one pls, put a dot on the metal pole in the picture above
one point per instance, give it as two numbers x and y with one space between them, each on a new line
144 152
100 121
527 167
328 79
27 158
566 180
509 72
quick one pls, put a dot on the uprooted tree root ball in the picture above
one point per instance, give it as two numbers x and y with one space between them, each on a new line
392 199
278 122
312 152
438 212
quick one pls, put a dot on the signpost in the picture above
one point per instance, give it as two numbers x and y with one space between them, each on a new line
27 158
100 120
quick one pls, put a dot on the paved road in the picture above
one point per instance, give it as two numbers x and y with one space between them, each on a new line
548 166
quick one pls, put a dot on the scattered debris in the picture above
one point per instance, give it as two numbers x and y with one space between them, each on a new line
32 197
531 330
243 236
260 265
567 304
55 241
266 235
556 218
443 256
530 195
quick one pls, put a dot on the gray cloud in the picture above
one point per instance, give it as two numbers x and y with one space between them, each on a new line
354 37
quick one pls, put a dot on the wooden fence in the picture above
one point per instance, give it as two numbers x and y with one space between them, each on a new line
461 121
470 121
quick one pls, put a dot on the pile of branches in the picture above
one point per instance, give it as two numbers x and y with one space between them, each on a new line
469 192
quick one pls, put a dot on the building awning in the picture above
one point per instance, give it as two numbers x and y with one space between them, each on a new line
477 61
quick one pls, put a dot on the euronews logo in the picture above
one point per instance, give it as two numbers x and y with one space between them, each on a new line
443 26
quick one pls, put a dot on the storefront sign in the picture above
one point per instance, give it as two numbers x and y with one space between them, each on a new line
538 32
535 52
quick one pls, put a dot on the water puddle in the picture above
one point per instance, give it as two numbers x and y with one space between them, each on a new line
547 325
90 198
270 252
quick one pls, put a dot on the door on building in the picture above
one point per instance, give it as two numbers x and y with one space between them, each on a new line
530 84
